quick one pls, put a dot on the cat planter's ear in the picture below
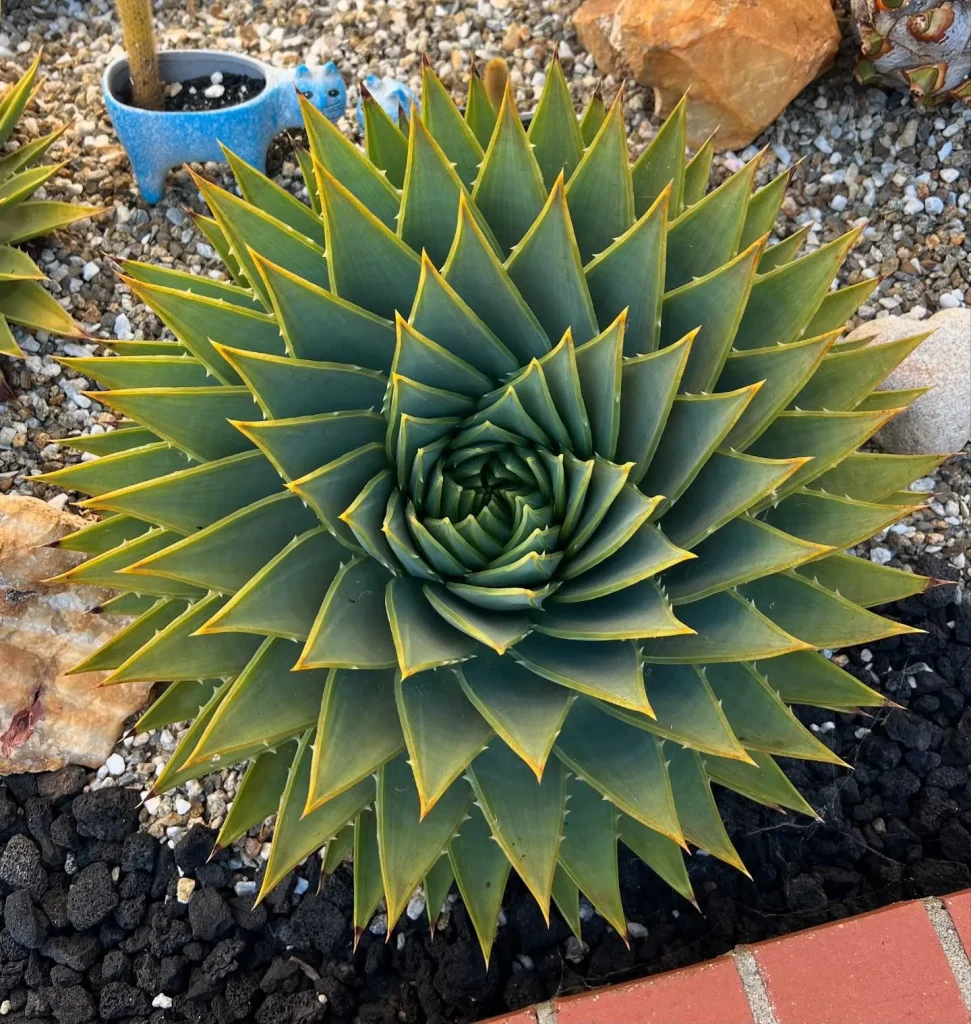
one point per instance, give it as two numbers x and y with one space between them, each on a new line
302 71
330 68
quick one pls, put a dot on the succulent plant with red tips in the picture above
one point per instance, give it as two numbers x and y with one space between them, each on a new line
921 45
500 466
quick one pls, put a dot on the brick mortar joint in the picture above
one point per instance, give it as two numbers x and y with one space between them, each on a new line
545 1013
753 984
951 944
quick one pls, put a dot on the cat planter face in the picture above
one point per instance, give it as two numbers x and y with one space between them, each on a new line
324 87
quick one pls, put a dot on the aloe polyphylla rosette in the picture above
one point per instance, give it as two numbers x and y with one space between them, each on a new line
518 480
23 299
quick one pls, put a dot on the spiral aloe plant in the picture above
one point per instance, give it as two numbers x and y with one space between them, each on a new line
496 510
23 300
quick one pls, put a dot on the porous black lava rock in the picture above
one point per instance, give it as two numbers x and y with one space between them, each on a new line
65 782
209 915
21 868
108 814
194 848
73 1005
92 896
24 922
120 1000
897 827
138 852
79 952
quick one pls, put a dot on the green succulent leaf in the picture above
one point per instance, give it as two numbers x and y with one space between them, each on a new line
258 794
410 843
368 883
297 834
588 852
481 870
443 731
358 731
524 816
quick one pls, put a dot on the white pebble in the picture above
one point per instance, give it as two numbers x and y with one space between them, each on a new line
379 926
152 805
952 300
58 502
216 78
213 92
162 1001
838 203
416 906
5 1008
925 485
933 205
950 175
123 331
182 806
91 269
115 764
822 145
77 351
300 886
912 207
880 555
636 931
245 887
861 731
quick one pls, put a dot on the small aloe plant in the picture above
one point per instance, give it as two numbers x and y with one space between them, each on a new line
23 299
497 510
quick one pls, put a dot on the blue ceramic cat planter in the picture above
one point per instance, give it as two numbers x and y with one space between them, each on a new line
157 140
393 96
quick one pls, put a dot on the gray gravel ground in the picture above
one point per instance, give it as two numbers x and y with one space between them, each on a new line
865 155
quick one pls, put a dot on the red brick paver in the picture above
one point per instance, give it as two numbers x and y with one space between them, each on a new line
959 907
882 968
885 967
710 993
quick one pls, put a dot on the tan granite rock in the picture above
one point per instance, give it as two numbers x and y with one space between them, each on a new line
743 60
940 421
48 718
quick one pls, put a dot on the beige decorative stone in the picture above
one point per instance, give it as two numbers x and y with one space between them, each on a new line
743 60
48 718
939 422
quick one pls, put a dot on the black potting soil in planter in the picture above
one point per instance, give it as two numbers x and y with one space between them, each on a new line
204 94
102 943
191 94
